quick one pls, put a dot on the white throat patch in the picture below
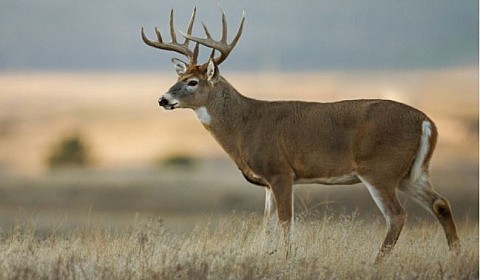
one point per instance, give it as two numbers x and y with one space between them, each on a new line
202 115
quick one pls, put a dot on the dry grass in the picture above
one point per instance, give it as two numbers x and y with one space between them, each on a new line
236 248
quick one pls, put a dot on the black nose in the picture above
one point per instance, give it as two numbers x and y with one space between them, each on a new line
163 102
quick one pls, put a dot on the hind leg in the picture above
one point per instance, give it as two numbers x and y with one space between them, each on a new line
385 196
422 192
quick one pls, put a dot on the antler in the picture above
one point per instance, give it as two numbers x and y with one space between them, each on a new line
174 45
222 46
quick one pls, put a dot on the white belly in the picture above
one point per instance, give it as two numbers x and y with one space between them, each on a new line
347 179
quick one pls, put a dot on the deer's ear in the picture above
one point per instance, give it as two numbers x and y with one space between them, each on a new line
180 66
212 72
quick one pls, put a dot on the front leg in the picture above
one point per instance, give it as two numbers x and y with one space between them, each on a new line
281 186
269 216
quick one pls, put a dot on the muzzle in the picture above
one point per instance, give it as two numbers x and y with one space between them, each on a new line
167 102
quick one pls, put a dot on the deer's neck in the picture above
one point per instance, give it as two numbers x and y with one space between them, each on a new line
225 114
226 109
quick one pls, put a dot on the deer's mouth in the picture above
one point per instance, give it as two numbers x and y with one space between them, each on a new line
171 106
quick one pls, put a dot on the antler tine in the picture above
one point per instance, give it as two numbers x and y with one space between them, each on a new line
224 28
222 46
190 25
239 31
173 35
158 44
193 59
195 54
206 31
159 35
174 45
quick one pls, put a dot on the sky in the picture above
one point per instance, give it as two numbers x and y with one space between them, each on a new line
68 35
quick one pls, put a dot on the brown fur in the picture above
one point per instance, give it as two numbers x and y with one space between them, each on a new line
314 140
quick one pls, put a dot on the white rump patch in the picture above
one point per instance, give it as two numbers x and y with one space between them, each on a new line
202 115
417 167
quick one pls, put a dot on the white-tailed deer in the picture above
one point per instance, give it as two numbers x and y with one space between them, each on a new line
384 144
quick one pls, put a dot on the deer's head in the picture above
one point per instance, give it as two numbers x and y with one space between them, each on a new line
195 83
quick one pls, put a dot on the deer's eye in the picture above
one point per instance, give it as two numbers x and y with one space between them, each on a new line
192 83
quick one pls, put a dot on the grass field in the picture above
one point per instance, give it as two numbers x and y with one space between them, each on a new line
205 223
235 247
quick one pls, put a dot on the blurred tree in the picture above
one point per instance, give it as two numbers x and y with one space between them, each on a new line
71 151
179 160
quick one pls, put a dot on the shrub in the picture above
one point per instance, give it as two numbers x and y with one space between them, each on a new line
179 160
71 151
